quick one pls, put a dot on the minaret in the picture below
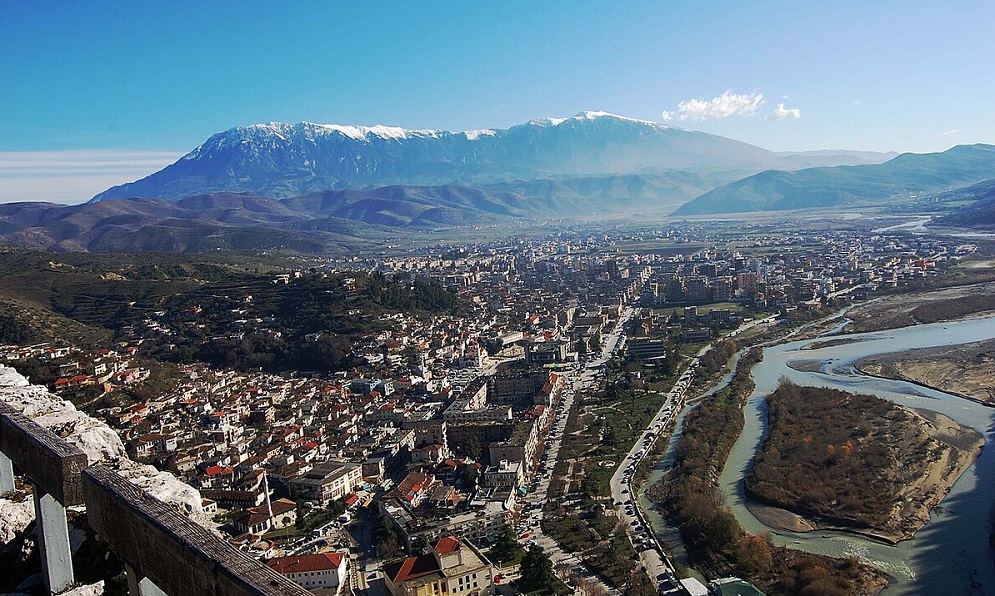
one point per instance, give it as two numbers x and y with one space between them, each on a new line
269 505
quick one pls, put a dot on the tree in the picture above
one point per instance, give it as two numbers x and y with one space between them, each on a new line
13 330
473 448
505 548
537 568
385 538
610 437
595 484
470 479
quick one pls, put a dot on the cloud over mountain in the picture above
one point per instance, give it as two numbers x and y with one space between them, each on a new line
783 113
724 106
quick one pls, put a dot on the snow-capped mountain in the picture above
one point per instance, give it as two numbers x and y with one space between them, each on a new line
291 159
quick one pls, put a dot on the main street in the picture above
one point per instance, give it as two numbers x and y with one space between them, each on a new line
532 506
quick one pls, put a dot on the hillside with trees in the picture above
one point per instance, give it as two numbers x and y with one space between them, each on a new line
228 310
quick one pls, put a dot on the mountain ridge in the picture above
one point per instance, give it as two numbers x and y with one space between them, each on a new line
907 174
980 213
283 160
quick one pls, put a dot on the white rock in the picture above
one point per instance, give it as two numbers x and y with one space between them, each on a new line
90 590
14 517
11 378
167 488
99 442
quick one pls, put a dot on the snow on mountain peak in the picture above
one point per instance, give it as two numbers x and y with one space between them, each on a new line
473 135
591 115
365 133
280 132
594 115
307 131
548 121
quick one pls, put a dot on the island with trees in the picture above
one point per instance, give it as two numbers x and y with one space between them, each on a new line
858 462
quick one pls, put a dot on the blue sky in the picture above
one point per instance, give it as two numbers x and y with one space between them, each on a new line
94 94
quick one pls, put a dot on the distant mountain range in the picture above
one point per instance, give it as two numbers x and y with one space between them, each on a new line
283 160
314 187
906 176
315 223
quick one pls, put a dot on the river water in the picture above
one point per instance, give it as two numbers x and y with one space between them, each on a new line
951 554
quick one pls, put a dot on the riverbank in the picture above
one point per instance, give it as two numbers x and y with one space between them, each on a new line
842 461
923 564
917 308
716 544
963 370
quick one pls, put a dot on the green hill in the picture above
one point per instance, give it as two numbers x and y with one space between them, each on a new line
908 175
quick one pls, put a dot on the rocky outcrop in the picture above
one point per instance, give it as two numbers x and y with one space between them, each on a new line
100 443
14 517
91 590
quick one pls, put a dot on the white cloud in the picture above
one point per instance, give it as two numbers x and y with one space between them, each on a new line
726 105
783 113
73 176
951 133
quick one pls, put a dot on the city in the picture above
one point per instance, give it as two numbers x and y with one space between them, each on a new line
461 426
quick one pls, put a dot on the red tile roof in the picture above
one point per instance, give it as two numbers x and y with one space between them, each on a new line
411 568
302 563
447 545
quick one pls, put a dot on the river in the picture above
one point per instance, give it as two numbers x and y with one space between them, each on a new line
951 554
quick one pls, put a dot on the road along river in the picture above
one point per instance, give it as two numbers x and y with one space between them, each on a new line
951 554
668 534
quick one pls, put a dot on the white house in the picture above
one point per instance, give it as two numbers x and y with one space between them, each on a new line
323 570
